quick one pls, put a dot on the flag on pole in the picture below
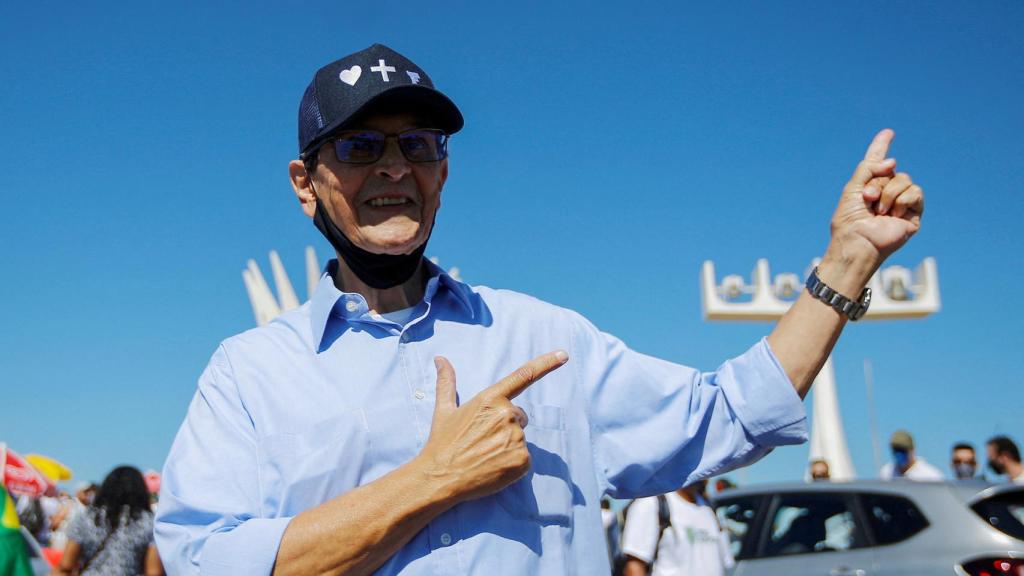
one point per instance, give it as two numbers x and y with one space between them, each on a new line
13 555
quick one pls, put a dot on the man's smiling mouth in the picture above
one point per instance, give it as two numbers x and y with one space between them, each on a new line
390 201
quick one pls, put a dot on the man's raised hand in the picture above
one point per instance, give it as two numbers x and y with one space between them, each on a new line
880 209
479 447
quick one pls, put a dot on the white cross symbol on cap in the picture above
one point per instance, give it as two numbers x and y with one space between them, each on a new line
383 69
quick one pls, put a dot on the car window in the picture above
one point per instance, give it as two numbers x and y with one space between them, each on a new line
1004 512
892 518
736 517
812 523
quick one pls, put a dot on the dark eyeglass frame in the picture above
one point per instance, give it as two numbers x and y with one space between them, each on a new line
379 139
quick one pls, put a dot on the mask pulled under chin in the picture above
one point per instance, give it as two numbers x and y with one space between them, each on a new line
377 270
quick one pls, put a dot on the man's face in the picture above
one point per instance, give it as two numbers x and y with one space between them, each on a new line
86 496
964 463
352 193
995 461
819 471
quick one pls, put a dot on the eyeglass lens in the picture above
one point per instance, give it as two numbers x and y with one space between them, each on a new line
365 147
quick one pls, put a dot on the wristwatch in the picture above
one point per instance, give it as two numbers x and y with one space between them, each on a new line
851 309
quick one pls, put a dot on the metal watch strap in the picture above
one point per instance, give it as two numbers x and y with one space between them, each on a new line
849 308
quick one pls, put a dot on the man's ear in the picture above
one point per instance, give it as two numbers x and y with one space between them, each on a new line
302 183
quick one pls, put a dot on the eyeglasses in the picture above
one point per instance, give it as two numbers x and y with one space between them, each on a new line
367 146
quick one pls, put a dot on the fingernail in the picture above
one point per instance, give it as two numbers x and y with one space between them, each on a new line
562 355
869 191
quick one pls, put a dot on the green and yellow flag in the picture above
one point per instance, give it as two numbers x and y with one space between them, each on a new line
13 556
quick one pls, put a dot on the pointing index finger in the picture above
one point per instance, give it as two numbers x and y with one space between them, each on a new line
879 147
513 385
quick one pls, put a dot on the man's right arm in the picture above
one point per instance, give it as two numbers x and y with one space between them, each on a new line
209 524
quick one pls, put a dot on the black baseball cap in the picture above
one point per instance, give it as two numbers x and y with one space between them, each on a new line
374 78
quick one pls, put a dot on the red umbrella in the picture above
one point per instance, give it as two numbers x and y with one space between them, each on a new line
20 477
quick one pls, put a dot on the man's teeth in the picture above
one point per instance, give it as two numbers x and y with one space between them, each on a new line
388 201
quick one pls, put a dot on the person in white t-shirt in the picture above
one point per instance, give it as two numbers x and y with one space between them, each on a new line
905 463
692 544
1004 458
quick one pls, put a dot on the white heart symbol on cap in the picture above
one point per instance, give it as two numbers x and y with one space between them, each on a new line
350 76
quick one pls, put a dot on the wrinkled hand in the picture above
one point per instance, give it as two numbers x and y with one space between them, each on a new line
479 448
880 208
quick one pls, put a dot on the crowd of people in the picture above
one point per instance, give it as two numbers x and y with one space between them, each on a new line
1002 454
105 529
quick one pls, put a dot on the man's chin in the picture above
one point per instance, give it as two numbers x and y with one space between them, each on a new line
393 248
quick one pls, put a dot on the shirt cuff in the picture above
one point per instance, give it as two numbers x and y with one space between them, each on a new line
763 398
248 549
646 558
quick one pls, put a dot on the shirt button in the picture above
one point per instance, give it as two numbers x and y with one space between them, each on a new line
351 306
405 337
419 395
446 539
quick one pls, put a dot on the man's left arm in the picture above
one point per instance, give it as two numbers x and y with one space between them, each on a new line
878 212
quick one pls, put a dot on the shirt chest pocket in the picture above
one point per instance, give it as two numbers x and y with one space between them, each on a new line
546 493
304 469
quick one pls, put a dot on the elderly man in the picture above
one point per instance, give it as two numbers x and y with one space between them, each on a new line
336 440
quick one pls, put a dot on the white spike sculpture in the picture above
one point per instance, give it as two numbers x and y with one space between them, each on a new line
266 307
896 293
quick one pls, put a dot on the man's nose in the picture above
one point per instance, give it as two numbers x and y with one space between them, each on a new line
393 165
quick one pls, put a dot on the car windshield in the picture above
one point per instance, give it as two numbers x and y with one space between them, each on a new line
1005 512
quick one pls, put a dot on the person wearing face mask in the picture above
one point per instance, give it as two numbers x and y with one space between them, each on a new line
905 462
336 440
1004 458
964 463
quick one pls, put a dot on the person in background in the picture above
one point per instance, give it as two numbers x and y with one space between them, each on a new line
1004 458
819 470
964 462
70 507
905 463
115 535
612 531
690 542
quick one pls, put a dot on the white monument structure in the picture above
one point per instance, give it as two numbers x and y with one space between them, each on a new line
265 306
896 293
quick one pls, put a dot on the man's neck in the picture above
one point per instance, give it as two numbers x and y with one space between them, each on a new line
1014 470
687 495
383 300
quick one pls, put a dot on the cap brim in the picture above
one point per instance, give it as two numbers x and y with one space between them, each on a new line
411 99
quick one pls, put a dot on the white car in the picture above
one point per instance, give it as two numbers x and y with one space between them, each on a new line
875 528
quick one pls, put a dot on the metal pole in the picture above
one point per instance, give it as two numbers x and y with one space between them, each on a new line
872 419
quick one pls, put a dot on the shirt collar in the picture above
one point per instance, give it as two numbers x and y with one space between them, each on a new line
328 301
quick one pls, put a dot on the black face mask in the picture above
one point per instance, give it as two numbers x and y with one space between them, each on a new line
996 467
377 270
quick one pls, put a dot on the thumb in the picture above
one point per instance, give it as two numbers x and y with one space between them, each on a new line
444 402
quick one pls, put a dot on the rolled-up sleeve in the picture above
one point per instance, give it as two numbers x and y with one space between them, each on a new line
657 426
209 521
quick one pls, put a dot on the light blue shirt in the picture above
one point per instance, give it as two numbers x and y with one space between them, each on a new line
328 397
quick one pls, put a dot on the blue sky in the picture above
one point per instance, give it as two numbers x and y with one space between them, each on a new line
609 149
